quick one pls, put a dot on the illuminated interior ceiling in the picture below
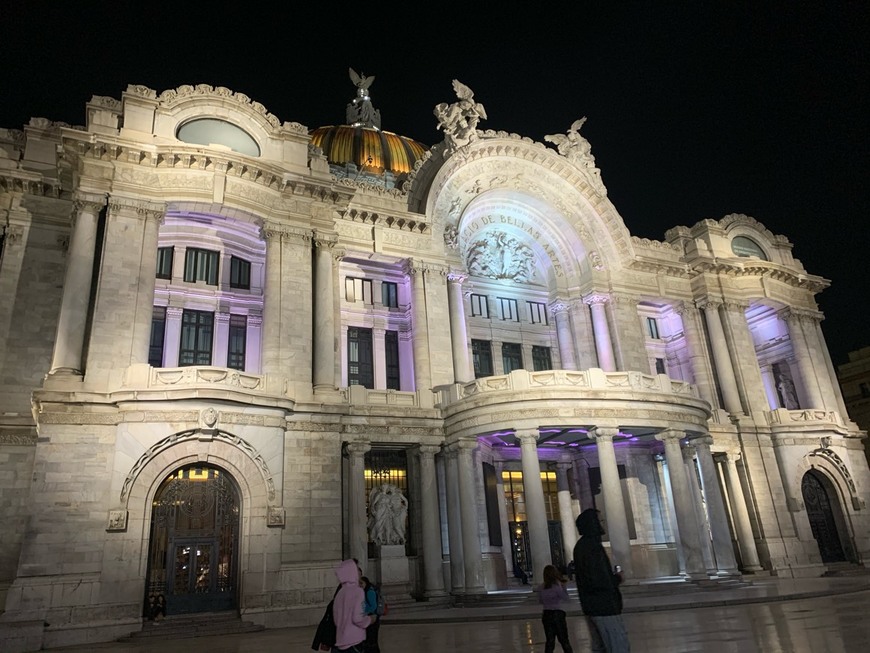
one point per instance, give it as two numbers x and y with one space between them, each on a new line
371 150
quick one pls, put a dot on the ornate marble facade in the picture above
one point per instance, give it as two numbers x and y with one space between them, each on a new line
218 327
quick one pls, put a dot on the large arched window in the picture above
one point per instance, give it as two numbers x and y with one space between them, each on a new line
211 131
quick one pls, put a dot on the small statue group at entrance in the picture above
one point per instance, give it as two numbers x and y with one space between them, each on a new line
388 511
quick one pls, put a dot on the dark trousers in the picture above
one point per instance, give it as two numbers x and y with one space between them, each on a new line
371 643
555 627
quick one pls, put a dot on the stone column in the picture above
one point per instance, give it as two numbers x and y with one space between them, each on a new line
803 355
431 521
740 514
603 343
722 358
584 339
831 378
770 387
690 539
454 521
506 548
725 560
357 531
700 514
702 372
563 335
325 345
270 362
536 511
614 505
141 340
67 357
172 336
422 368
252 344
463 369
220 350
566 512
470 520
379 357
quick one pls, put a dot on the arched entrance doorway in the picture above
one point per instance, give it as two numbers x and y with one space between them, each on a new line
193 550
823 513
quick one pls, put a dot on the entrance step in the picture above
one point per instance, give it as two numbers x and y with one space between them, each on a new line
199 625
845 569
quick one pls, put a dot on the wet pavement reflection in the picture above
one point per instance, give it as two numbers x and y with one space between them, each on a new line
831 624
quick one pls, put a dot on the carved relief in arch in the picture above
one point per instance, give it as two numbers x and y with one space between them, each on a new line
827 462
203 435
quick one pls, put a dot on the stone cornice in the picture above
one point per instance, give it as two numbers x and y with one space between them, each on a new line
30 183
763 269
380 219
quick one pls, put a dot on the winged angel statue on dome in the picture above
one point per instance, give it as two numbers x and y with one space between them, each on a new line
459 120
360 111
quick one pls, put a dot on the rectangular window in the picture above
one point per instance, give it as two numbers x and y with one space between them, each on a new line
511 356
479 306
541 359
652 328
390 294
240 273
481 353
237 339
391 353
358 290
158 334
660 366
537 312
164 262
201 265
197 328
360 365
509 309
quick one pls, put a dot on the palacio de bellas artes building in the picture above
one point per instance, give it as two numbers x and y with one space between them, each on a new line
235 350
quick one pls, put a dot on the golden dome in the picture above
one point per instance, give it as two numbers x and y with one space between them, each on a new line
370 149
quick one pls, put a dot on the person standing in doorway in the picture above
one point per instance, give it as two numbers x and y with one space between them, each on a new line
598 587
553 596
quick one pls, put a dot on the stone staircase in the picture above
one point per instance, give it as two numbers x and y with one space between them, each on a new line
839 569
199 625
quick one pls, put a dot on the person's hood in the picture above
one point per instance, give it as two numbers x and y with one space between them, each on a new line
588 524
347 572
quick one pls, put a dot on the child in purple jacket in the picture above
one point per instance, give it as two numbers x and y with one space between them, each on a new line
553 596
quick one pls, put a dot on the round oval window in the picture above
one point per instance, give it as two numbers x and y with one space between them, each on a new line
743 246
210 131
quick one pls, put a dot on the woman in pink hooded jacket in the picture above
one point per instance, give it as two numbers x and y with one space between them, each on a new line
348 610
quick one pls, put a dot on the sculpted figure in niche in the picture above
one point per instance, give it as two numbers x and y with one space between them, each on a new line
388 512
459 120
500 256
573 146
787 393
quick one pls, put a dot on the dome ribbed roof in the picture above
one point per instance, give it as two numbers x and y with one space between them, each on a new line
370 149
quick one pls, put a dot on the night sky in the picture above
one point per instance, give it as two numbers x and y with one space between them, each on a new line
695 109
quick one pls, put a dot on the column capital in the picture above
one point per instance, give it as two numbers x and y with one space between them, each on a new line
595 298
270 230
710 303
524 435
88 202
670 434
603 433
174 312
222 317
790 315
322 240
681 308
255 320
428 450
457 278
143 208
703 441
358 448
557 307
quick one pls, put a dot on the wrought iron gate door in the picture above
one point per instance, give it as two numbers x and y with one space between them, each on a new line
193 557
821 516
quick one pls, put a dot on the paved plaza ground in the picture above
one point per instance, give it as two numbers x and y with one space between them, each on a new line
773 616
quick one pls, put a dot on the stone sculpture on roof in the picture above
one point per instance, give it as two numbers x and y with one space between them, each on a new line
459 120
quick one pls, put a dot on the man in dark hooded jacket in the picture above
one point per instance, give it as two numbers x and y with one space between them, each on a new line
598 587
